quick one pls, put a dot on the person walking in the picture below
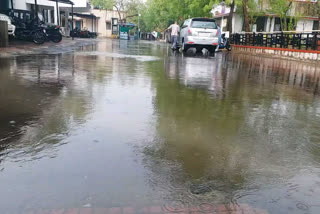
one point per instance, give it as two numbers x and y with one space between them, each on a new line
175 29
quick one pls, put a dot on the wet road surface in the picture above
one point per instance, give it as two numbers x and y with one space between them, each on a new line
120 124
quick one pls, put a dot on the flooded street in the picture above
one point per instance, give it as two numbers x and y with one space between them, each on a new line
123 124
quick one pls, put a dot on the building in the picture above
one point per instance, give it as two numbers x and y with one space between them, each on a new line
56 12
308 18
108 22
221 12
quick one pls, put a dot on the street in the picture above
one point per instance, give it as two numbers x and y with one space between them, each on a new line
119 124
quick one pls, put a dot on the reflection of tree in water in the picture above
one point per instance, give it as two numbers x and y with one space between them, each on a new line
252 132
49 99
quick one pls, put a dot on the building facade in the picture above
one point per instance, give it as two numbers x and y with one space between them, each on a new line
307 18
108 22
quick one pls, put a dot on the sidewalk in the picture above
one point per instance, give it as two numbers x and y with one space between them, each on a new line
17 47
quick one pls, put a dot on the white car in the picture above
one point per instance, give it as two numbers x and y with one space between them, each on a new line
11 27
199 33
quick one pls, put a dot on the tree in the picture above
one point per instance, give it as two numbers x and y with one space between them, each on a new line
245 15
281 8
230 17
118 5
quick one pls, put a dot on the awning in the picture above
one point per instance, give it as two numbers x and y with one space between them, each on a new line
83 15
128 24
63 1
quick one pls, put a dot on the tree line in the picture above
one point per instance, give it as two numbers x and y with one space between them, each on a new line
157 15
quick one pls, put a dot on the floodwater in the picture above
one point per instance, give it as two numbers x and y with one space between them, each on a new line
131 124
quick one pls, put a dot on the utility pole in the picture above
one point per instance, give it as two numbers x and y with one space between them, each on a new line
58 15
36 9
72 22
139 25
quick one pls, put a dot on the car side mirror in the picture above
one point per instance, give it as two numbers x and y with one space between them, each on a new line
184 26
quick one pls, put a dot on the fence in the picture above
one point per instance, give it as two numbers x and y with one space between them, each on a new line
286 39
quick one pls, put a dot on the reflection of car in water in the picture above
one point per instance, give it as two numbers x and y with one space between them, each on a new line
199 33
11 27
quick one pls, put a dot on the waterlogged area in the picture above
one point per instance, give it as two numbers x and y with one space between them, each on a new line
120 124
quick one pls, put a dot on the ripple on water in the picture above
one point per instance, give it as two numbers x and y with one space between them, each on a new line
118 55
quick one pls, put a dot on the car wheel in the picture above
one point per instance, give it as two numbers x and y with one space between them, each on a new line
212 51
184 47
199 49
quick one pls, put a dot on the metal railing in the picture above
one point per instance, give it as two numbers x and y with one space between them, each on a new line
286 39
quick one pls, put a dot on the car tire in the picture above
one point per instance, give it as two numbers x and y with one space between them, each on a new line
184 47
212 51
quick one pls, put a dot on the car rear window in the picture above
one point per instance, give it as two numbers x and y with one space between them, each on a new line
210 24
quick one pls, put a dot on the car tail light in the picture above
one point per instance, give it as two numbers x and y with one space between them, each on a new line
58 27
217 34
189 32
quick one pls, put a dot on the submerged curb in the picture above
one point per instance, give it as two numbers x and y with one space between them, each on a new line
204 208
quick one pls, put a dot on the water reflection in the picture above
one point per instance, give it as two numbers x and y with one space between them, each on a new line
102 127
235 129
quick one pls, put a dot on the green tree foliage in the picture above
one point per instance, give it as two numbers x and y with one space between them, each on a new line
160 13
102 4
281 8
131 7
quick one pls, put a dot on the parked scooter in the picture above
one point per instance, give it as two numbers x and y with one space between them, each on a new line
75 32
83 33
53 33
225 43
30 31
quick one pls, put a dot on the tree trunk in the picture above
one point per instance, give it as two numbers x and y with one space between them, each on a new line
230 17
245 15
119 14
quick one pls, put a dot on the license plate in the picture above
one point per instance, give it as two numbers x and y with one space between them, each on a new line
204 34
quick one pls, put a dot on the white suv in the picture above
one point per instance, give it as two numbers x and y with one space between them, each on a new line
199 33
11 27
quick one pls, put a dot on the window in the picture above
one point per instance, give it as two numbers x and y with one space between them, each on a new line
51 16
45 15
315 25
114 21
277 25
108 25
209 24
114 26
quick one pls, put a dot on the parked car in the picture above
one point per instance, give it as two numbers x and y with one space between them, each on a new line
199 33
11 27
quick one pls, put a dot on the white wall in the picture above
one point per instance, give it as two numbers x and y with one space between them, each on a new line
237 22
20 4
304 25
105 16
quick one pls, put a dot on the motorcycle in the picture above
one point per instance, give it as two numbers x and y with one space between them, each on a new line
53 33
75 32
82 33
30 31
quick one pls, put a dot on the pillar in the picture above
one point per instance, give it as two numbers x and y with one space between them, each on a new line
4 34
272 24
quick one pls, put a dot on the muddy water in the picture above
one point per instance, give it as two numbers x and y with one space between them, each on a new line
131 124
